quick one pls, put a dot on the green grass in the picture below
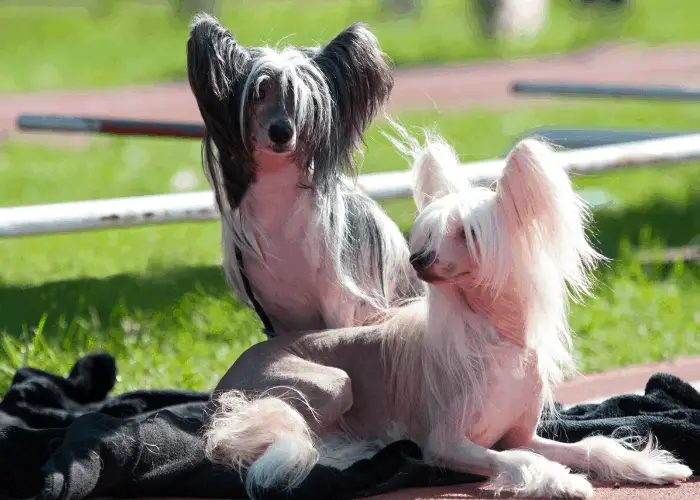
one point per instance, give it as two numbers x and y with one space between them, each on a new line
155 297
130 43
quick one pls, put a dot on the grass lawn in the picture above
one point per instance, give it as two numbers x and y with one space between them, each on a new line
112 42
156 298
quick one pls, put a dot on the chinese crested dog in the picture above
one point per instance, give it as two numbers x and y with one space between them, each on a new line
301 243
466 371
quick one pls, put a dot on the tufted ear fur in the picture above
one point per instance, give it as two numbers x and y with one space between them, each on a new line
214 60
215 63
434 172
433 163
360 81
531 185
541 212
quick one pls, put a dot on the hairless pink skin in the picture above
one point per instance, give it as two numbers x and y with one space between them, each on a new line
466 371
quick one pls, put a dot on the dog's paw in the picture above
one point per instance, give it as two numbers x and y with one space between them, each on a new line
664 473
533 476
616 461
571 486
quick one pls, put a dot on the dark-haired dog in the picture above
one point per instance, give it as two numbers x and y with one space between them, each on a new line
282 130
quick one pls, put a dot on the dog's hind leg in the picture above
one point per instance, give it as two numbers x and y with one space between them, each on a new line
320 393
267 410
521 473
610 459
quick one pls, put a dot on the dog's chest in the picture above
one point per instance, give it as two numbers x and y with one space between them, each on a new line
286 281
513 387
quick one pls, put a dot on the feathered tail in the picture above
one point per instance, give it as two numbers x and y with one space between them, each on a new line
263 436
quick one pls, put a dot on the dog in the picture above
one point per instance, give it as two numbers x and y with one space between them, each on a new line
465 371
510 19
301 243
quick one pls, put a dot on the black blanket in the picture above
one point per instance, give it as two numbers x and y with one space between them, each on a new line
65 438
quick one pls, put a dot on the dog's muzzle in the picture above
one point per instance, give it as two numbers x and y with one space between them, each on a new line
281 133
422 260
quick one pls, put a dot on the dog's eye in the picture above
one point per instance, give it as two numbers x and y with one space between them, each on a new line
462 234
258 95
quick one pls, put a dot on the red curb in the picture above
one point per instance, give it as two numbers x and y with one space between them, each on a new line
489 83
685 491
446 87
624 380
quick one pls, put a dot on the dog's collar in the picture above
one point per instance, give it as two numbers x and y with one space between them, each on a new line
268 330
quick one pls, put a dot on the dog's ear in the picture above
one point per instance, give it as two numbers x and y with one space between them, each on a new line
214 60
434 173
541 212
360 82
532 185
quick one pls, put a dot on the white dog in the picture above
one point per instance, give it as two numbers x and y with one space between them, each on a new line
465 372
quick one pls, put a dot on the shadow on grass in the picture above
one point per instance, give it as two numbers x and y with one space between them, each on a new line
104 302
99 300
658 222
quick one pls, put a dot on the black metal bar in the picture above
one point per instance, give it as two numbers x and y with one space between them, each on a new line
110 126
576 138
664 92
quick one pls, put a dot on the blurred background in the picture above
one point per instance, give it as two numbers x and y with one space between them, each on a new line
155 296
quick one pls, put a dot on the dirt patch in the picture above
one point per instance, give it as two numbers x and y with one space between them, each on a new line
684 491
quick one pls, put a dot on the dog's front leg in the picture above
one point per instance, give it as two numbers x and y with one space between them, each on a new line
521 473
610 459
602 457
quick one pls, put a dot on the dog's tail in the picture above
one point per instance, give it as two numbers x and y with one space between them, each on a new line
263 436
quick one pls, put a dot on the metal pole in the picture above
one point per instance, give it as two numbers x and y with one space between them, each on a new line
143 210
666 92
110 126
591 137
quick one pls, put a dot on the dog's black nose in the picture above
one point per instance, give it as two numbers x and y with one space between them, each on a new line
281 132
422 260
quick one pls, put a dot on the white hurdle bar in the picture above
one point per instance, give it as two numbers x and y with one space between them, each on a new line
198 206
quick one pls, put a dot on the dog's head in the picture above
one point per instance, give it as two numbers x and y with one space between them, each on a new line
527 234
444 242
311 105
510 257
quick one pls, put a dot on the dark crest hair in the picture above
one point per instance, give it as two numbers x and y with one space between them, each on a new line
338 91
342 87
215 62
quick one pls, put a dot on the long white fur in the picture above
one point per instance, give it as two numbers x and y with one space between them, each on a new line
444 356
531 234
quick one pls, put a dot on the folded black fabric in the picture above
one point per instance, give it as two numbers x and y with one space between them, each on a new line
669 409
66 438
